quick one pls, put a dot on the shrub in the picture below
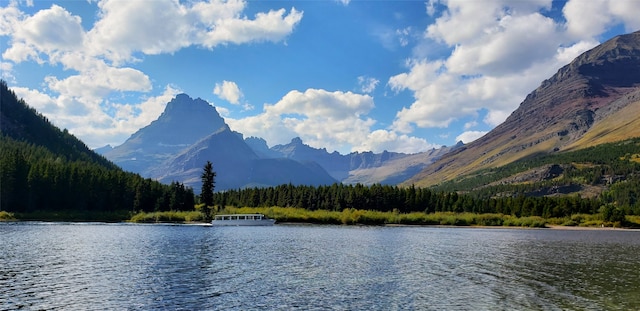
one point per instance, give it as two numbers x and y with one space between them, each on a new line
489 220
169 216
531 222
6 216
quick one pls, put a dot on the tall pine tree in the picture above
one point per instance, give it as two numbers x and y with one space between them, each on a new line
208 184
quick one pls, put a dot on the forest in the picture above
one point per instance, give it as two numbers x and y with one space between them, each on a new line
44 169
384 198
34 179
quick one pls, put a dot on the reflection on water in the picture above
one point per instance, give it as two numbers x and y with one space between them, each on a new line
107 266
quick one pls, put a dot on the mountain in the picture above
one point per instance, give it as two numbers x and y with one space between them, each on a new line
397 170
236 165
334 163
593 100
357 167
189 132
260 147
184 121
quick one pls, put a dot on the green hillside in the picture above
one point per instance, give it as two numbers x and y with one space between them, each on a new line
609 172
46 171
23 123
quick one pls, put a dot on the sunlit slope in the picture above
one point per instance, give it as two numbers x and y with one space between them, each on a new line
592 100
621 125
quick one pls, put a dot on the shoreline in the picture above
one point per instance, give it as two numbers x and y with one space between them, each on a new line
289 223
559 227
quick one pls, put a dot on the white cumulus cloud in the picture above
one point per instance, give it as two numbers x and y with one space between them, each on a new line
96 126
167 26
51 31
589 18
470 136
229 91
381 140
271 26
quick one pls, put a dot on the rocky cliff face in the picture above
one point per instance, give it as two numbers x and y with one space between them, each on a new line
335 164
557 114
184 121
236 165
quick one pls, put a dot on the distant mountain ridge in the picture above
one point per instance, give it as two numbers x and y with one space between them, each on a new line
584 99
236 165
190 132
359 167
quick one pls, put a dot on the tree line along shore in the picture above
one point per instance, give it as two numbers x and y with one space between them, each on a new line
338 204
344 217
118 196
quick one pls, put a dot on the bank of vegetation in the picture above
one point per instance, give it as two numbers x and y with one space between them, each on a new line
380 204
370 217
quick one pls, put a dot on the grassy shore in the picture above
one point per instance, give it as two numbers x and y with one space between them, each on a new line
367 217
170 216
345 217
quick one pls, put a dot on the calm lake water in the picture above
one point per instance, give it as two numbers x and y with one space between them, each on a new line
285 267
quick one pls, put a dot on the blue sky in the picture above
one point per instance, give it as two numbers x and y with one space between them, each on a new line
402 76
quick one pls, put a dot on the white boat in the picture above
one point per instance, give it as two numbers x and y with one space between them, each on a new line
242 220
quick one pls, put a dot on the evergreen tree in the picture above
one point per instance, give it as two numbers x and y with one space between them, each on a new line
208 184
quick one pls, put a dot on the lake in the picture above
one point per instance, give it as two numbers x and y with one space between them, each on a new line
69 266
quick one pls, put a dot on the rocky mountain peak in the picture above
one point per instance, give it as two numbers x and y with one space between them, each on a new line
617 49
183 122
296 141
183 108
615 63
562 110
588 83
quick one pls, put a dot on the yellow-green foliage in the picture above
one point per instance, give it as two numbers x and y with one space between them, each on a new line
632 157
633 220
368 217
6 216
170 216
531 221
593 220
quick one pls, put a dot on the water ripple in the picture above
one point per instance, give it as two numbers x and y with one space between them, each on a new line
139 267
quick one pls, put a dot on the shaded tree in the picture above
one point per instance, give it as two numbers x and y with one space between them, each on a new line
208 184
